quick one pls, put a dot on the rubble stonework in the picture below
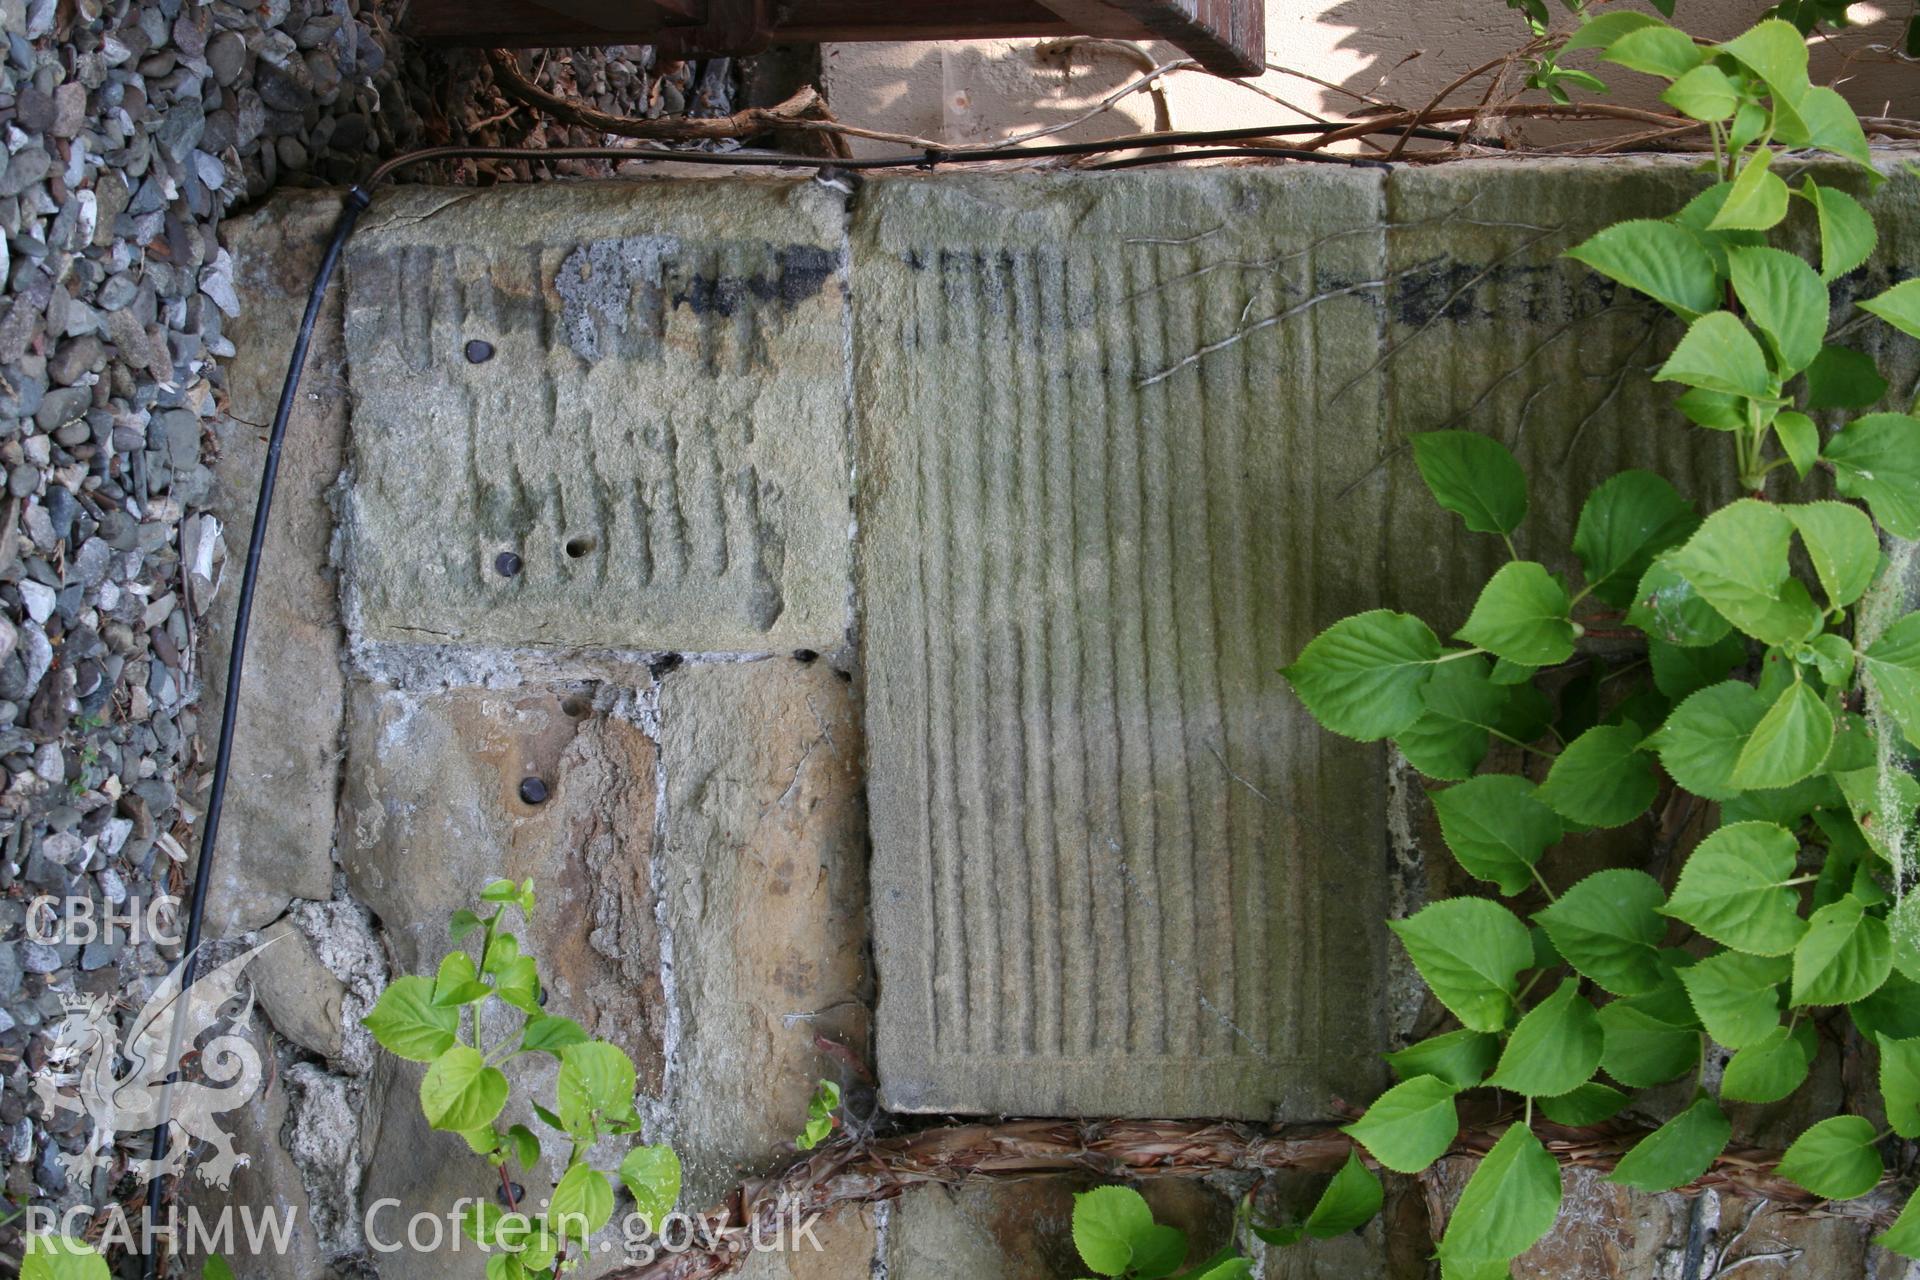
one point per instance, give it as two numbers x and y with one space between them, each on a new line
1082 459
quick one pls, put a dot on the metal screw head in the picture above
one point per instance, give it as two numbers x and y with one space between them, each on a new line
533 791
479 351
506 564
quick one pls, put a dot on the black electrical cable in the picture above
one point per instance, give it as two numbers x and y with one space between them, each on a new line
359 198
356 202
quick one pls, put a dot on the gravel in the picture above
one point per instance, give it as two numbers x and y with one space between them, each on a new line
128 128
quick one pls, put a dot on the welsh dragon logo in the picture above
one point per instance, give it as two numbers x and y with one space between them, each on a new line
121 1086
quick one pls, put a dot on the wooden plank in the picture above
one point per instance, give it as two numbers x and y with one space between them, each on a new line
528 24
870 20
1227 37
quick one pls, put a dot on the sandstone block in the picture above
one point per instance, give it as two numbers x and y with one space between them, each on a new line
763 878
1116 868
277 830
300 997
652 422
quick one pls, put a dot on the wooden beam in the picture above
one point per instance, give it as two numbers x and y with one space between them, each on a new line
1225 36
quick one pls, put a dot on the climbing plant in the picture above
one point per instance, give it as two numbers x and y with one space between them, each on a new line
441 1021
1780 683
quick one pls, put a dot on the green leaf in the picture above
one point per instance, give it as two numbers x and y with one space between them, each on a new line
1738 562
1832 126
1737 996
499 891
1785 299
1864 789
1903 923
1704 93
1893 670
1473 476
1556 1047
1657 51
1893 1010
517 981
1733 889
1107 1222
1626 522
1348 1204
1898 306
1509 1203
1608 927
1758 200
1496 828
1601 778
409 1025
1847 234
1900 1084
1461 1058
1680 673
1842 378
1658 259
1601 31
1799 438
1789 743
1768 1070
216 1268
1903 1237
1667 607
1463 704
1843 546
457 983
461 1092
1159 1252
1362 676
1834 1159
1845 955
1522 616
820 1108
581 1204
1589 1104
547 1034
1876 458
1640 1050
1410 1125
1678 1151
1469 951
480 1221
1720 354
526 1147
596 1083
1776 53
49 1257
1715 410
462 923
652 1175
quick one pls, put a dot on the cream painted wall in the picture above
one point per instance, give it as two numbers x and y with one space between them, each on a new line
1402 51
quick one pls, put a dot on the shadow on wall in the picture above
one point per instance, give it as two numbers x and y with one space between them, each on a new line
1405 51
1400 51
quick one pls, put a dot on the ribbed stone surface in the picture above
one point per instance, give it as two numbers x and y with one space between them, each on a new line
1127 443
1115 870
658 434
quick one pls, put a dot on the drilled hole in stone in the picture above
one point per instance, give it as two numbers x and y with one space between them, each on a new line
576 708
577 547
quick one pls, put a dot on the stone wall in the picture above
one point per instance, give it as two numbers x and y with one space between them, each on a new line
886 593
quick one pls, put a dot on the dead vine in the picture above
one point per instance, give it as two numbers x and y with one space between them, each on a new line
850 1170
